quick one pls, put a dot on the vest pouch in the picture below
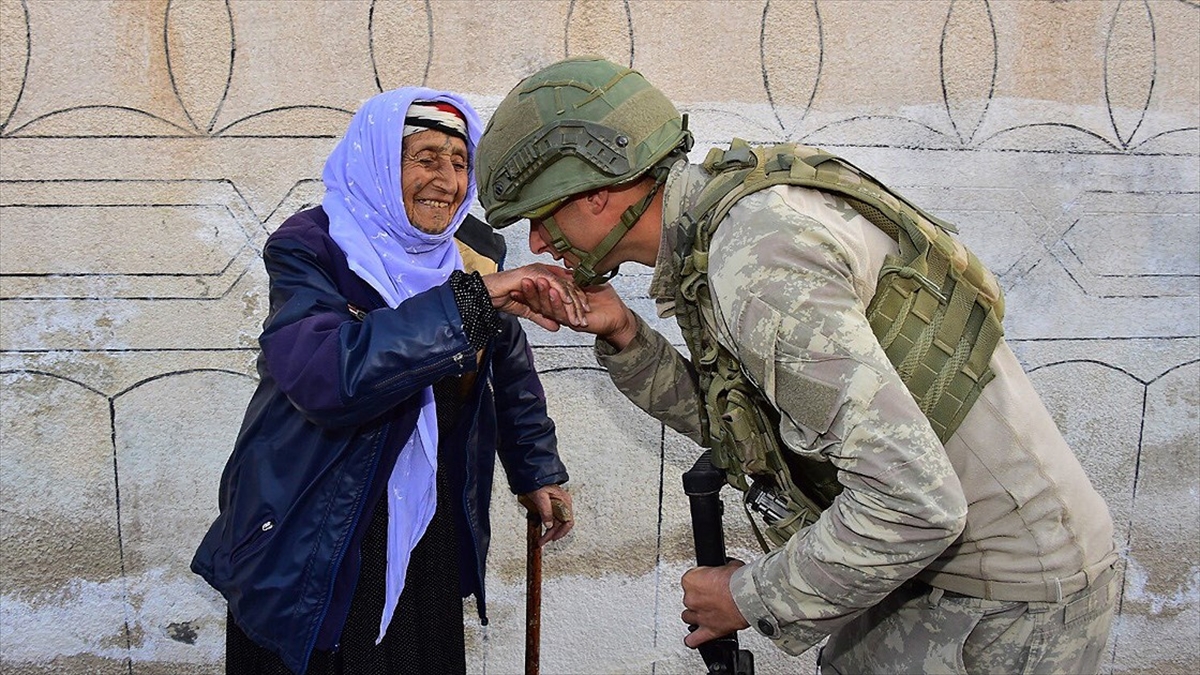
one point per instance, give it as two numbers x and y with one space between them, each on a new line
748 437
802 487
784 510
901 310
939 339
781 532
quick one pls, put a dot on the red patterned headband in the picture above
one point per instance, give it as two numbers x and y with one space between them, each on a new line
443 117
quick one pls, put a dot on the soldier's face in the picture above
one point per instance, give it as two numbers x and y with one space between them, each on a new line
540 238
575 226
583 228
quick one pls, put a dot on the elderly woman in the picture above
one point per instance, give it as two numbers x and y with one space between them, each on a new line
354 508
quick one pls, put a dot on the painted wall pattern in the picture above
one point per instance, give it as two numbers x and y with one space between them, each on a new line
147 148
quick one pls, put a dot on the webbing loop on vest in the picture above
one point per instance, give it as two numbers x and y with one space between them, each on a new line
937 313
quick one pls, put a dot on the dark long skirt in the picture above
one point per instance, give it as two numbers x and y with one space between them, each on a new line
426 633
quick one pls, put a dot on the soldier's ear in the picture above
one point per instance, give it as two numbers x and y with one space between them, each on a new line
596 201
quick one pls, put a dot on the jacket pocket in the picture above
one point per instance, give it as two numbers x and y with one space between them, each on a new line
254 540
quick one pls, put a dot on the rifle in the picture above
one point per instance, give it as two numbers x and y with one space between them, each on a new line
702 484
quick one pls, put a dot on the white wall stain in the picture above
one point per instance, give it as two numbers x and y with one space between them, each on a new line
86 617
1137 580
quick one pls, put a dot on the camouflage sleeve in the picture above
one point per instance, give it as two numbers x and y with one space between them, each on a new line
656 377
785 295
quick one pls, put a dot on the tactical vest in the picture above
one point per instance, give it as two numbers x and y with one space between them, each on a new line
936 311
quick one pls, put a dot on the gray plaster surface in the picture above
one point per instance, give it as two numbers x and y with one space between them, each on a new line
148 147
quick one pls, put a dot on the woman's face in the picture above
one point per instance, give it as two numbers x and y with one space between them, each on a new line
433 178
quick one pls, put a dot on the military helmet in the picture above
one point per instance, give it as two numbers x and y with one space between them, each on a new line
579 124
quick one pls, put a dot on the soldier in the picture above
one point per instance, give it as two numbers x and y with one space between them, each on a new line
847 369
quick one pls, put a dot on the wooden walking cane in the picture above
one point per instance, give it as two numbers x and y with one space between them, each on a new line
533 594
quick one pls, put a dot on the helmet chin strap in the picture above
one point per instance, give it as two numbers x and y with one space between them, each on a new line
585 271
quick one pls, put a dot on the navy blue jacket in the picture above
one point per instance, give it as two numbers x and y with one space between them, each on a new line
335 403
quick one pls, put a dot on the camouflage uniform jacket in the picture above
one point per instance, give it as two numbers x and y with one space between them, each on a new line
1002 511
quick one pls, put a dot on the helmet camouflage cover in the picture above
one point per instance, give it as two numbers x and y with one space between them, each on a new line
579 124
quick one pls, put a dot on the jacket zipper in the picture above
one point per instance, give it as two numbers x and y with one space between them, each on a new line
482 604
437 366
341 553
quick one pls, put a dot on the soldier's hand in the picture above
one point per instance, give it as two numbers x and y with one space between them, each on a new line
553 505
708 603
505 291
607 316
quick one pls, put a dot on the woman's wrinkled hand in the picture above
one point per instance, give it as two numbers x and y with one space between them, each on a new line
553 505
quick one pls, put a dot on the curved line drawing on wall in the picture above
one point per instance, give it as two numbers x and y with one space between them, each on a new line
371 25
1049 365
83 108
860 120
172 66
24 71
131 529
628 33
294 201
159 448
172 373
1087 133
110 447
954 98
1123 22
23 372
1166 134
1097 370
762 58
1128 544
743 123
229 74
223 131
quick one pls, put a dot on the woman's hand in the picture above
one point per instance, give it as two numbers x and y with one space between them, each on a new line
553 505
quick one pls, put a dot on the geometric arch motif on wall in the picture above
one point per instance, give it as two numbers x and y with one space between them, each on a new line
1163 440
111 436
202 233
793 58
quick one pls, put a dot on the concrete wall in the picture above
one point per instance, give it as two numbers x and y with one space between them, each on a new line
147 147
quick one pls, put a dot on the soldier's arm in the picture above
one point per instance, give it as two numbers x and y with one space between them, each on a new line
784 288
653 375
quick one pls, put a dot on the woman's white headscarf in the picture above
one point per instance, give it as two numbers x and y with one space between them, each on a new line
365 205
